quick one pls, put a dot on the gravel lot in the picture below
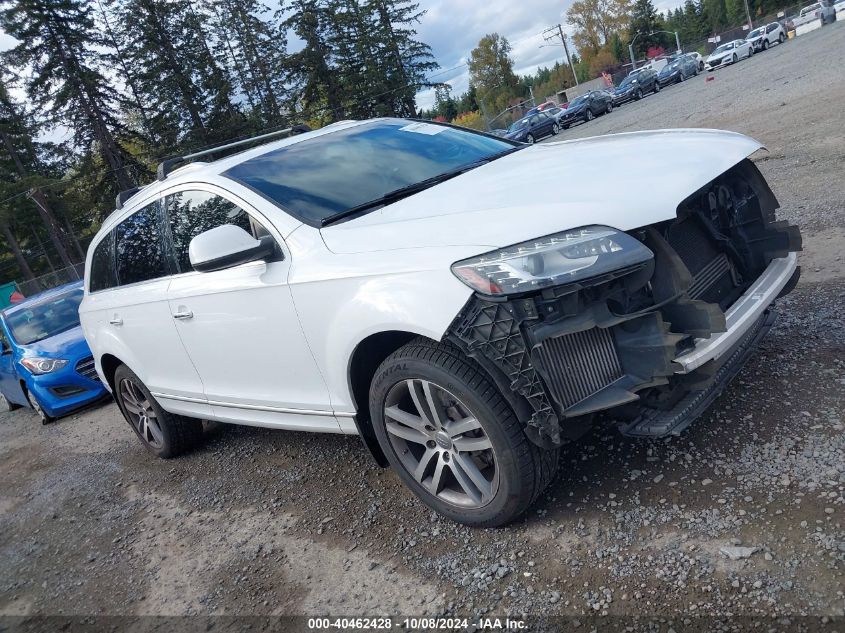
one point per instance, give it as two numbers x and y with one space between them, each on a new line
742 515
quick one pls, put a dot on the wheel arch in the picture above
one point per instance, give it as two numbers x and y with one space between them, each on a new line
109 364
363 363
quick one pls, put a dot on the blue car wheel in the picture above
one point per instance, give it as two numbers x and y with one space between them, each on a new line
36 406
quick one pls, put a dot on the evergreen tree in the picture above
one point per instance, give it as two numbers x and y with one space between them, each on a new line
60 44
644 22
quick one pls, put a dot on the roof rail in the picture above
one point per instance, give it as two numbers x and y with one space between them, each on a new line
166 166
123 196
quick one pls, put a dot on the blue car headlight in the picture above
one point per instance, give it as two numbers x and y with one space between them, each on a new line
38 366
562 258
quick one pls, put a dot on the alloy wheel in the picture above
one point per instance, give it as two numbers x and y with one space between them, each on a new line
441 443
140 413
530 139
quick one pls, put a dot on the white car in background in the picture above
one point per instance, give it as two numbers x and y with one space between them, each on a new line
764 36
839 7
729 53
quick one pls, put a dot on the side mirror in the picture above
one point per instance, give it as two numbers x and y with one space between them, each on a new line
227 246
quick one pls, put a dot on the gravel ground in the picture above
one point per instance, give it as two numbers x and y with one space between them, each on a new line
741 515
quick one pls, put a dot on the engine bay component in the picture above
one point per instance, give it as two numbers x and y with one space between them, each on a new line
606 345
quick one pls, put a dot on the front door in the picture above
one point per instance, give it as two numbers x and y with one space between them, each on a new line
239 325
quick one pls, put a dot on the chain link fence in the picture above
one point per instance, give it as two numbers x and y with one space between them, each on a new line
51 280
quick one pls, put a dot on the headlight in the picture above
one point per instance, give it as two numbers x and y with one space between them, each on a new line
554 260
40 366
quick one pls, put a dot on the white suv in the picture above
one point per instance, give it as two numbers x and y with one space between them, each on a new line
431 289
765 36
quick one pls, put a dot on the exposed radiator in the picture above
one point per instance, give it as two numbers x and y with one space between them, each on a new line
711 269
577 365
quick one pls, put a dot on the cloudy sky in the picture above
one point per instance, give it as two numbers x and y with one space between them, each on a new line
453 27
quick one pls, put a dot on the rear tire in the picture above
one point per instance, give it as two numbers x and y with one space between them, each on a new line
164 434
514 470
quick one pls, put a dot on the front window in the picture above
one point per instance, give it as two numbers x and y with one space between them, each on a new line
193 212
333 173
42 320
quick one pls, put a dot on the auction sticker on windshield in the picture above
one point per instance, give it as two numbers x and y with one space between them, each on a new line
423 128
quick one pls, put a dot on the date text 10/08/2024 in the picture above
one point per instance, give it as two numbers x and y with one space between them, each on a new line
383 623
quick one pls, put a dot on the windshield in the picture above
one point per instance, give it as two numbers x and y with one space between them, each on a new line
43 320
724 47
325 175
628 81
754 33
518 125
670 67
811 8
578 101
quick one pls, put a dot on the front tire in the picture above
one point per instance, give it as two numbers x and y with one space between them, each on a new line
734 58
609 107
39 410
589 116
656 87
453 439
781 38
638 95
555 129
765 45
530 139
164 434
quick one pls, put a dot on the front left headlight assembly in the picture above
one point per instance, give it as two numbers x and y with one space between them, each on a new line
555 260
38 365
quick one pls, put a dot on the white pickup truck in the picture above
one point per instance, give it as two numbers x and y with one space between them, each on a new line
821 12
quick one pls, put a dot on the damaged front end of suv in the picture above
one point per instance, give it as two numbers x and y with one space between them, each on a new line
642 328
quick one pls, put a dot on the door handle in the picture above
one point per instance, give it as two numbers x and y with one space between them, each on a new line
182 316
116 321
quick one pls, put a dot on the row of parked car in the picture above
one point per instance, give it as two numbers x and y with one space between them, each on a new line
549 118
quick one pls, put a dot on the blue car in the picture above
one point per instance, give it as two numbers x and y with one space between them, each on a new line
45 362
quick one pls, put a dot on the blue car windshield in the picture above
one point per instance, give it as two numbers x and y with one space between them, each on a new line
40 321
320 177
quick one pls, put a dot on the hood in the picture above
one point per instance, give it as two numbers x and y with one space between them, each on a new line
69 344
622 181
715 56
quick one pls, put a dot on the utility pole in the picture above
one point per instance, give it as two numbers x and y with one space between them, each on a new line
748 15
678 40
549 34
633 59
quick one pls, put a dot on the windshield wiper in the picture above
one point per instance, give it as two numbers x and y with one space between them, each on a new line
409 190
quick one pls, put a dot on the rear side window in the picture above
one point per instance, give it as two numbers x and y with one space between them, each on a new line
193 212
139 249
102 265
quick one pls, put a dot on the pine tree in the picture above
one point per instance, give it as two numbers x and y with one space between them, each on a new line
317 90
61 44
19 163
644 22
253 43
408 61
179 79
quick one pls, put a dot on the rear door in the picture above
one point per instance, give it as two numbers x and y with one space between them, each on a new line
239 325
126 311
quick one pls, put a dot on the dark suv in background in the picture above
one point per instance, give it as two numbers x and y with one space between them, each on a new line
636 85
